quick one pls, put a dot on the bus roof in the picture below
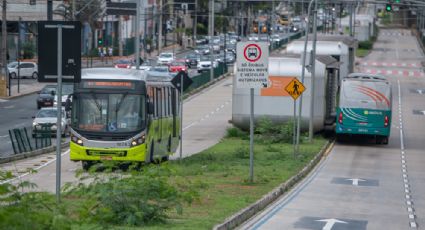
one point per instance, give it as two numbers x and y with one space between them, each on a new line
122 74
365 77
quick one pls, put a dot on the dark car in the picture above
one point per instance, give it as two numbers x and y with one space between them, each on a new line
192 60
46 96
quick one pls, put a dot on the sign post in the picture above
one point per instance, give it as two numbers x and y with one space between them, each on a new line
295 88
252 72
50 73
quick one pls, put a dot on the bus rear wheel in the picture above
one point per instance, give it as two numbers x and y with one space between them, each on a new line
382 140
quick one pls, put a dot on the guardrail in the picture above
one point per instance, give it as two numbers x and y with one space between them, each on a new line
21 141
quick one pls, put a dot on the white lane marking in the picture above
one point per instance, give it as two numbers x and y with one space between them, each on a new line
194 123
4 136
39 167
403 162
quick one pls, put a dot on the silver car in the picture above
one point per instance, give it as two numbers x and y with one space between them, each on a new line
46 119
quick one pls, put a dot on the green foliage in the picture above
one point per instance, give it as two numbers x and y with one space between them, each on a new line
268 132
28 49
201 29
235 132
143 198
366 45
242 152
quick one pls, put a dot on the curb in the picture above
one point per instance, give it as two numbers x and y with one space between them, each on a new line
248 212
31 154
20 95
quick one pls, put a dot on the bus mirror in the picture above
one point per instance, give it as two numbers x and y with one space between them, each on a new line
150 108
68 104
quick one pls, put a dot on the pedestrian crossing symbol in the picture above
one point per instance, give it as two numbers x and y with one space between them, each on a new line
295 88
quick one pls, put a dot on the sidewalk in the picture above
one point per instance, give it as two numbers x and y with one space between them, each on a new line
24 89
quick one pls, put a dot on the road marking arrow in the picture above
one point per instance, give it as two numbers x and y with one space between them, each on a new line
330 223
356 181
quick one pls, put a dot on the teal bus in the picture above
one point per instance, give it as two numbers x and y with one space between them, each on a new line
364 107
123 115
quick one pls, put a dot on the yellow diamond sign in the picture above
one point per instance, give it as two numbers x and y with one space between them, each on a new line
295 88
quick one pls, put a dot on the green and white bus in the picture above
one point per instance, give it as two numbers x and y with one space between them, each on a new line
365 105
123 115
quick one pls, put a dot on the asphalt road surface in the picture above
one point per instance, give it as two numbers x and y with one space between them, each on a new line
361 185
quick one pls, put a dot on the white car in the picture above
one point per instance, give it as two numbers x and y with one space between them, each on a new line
47 117
205 64
165 58
26 69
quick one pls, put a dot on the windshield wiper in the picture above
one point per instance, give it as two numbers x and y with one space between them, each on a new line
120 102
99 106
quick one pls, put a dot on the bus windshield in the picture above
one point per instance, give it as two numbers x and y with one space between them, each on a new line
109 112
365 94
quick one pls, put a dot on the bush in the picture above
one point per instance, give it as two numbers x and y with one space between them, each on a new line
235 132
367 45
268 132
144 197
28 49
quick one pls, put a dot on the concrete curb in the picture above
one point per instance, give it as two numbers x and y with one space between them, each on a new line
246 213
20 95
31 154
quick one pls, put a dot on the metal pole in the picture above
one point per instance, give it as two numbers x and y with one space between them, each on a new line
160 27
313 74
195 23
137 40
294 134
19 55
4 45
211 45
251 138
73 10
351 20
181 116
59 117
302 77
49 10
354 20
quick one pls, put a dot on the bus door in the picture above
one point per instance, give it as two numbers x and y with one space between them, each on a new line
159 110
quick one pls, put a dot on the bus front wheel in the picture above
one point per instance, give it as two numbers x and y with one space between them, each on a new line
87 165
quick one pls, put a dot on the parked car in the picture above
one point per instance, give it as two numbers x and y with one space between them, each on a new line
205 64
165 58
178 65
46 96
192 59
48 117
123 63
67 89
25 69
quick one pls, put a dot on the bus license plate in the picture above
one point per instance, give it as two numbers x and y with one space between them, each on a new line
106 158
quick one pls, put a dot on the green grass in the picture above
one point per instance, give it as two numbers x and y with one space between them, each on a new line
223 173
362 52
218 178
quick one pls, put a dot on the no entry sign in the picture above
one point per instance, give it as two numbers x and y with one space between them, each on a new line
252 65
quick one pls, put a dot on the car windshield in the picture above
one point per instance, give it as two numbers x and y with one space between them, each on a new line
123 62
178 64
48 90
159 69
192 56
206 58
12 64
109 112
46 113
166 55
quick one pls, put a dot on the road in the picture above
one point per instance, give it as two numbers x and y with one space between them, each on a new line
361 185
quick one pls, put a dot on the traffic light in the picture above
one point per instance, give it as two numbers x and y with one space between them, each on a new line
397 1
100 42
389 8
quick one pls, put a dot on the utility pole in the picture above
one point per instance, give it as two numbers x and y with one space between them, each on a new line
4 45
137 40
211 45
160 27
49 10
313 74
351 20
73 10
195 23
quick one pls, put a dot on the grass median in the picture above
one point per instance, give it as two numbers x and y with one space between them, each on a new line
197 192
223 170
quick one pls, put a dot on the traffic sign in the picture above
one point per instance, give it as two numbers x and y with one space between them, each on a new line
295 88
48 51
252 65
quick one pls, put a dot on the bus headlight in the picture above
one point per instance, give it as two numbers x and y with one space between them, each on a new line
76 140
138 141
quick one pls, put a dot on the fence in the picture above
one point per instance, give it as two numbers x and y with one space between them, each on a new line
21 141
